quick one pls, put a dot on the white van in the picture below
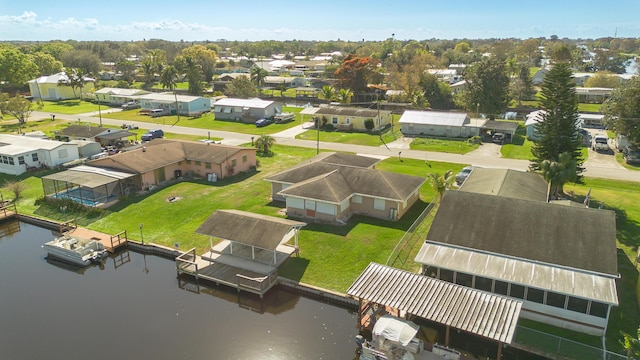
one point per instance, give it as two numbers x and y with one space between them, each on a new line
156 113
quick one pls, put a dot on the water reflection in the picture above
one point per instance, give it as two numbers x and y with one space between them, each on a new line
134 306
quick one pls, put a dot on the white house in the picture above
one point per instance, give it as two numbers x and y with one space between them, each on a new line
245 110
117 96
535 117
21 153
438 123
185 104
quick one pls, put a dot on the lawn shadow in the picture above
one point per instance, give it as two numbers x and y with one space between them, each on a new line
293 268
624 317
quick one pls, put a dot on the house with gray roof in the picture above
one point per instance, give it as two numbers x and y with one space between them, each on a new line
245 110
104 136
438 123
559 260
332 188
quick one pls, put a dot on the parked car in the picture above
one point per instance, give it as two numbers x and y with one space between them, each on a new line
152 134
130 105
600 143
463 174
631 155
263 122
498 138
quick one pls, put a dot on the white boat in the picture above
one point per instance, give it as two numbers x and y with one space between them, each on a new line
75 250
395 339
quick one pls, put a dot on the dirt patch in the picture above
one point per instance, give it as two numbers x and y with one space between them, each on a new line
172 199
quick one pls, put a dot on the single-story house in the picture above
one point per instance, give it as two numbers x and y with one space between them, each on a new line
507 183
535 117
438 123
21 153
349 118
446 75
458 87
224 79
55 87
333 187
88 185
245 110
117 96
185 104
284 82
559 260
508 128
593 94
104 136
161 160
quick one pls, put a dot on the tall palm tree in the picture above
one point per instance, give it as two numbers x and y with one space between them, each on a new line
194 74
440 183
258 75
148 69
169 79
264 144
328 93
344 96
558 173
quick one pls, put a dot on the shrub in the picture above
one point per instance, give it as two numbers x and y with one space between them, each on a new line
329 127
16 187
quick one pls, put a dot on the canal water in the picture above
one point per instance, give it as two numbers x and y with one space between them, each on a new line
134 307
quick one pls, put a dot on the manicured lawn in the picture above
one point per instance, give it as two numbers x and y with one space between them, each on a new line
443 145
206 121
622 162
70 107
355 138
520 148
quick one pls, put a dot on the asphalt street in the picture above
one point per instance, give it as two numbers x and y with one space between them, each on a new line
596 166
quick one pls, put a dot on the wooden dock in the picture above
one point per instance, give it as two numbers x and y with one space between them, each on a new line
7 211
110 242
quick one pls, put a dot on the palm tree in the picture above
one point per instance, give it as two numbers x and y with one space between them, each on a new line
148 69
345 95
328 93
440 183
558 173
258 75
169 79
264 144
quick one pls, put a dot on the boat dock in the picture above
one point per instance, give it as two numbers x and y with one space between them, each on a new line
110 242
7 211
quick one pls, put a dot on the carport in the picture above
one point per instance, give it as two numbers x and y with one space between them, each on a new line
508 128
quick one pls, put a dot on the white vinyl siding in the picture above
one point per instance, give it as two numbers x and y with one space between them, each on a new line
325 208
295 203
378 204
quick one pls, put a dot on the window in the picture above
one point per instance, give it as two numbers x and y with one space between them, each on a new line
188 162
535 295
482 283
517 291
501 287
21 160
357 199
446 275
233 162
34 156
348 121
244 158
63 153
11 161
463 279
598 309
207 165
577 305
198 163
555 299
378 204
334 120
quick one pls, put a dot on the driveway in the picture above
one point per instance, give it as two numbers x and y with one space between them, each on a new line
486 149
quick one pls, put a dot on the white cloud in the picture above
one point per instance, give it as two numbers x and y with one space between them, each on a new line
27 17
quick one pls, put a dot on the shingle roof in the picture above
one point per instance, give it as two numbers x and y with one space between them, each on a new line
321 164
265 232
506 183
579 238
86 131
434 118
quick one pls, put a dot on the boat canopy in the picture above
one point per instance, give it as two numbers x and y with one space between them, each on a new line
395 329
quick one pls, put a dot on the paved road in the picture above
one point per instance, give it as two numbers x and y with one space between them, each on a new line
595 169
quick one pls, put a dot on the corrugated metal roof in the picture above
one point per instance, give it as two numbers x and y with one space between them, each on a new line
88 176
248 103
444 118
15 144
535 274
478 312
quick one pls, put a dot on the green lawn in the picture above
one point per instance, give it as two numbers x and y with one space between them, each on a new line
71 107
206 121
443 145
355 138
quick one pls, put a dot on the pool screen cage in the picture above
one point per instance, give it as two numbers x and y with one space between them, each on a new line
85 188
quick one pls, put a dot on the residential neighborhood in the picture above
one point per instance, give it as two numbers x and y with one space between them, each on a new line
479 194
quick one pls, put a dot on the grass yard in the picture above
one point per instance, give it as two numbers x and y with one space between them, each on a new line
443 145
355 138
206 121
520 148
70 107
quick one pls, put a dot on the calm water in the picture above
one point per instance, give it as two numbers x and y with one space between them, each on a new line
134 307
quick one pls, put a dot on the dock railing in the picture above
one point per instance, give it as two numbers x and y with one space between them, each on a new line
118 239
68 226
7 210
258 284
186 263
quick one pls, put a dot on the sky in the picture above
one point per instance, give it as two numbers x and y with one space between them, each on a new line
373 20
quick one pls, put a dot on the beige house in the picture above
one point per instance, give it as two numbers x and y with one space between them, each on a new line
349 118
162 160
332 187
